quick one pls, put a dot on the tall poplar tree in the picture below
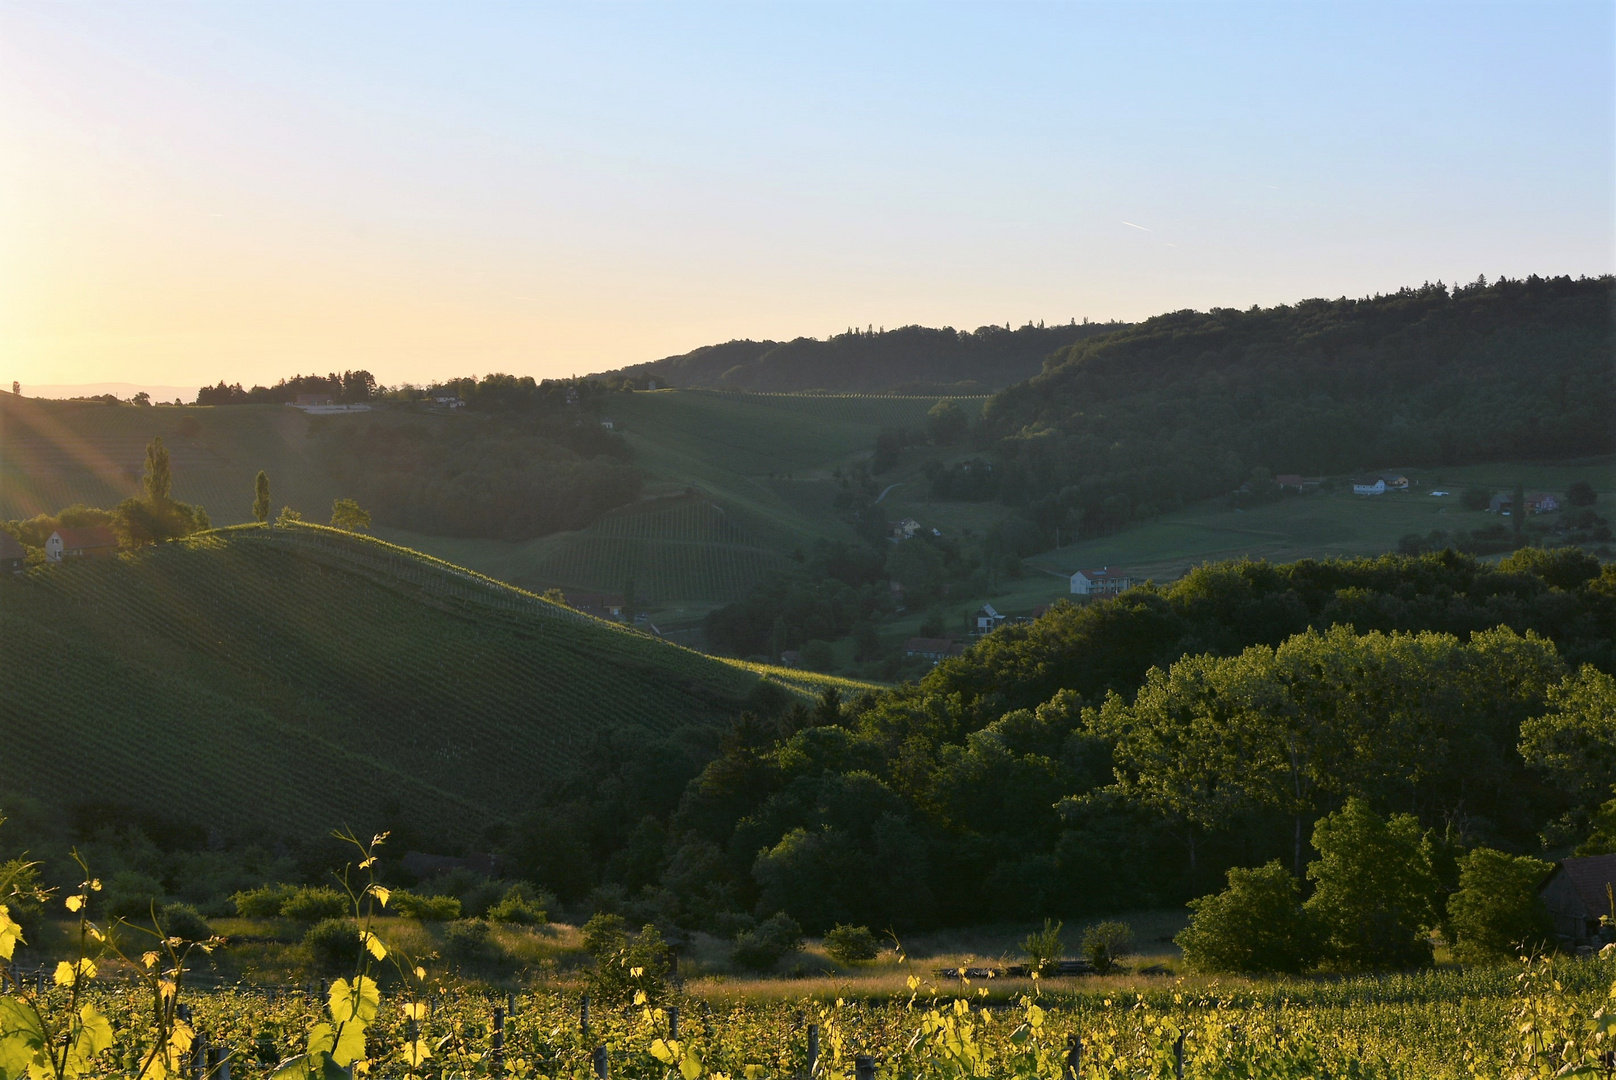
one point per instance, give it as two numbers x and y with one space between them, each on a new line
261 497
159 479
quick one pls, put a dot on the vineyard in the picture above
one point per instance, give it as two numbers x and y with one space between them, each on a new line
193 680
1487 1023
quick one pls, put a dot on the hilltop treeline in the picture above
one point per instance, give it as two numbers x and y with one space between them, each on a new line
349 387
909 358
1190 404
1122 753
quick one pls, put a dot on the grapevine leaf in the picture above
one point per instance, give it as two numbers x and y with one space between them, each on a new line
10 934
358 1001
373 944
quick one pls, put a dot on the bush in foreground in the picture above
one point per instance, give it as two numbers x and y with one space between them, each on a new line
1256 925
1105 944
851 944
1373 889
1497 913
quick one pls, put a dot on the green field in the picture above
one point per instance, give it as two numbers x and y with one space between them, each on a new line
286 680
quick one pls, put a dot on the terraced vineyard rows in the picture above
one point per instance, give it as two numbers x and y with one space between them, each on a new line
201 676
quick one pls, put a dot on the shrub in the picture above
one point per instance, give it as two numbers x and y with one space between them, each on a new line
623 967
1255 925
1373 886
851 944
312 903
131 895
264 902
1043 947
520 905
1105 944
333 943
762 948
1496 913
467 941
410 905
183 921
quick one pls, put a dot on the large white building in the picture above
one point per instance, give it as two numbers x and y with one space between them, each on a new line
1105 581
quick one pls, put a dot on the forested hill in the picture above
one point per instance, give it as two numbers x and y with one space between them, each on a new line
1186 405
911 358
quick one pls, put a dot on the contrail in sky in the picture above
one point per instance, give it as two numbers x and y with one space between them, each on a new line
1131 225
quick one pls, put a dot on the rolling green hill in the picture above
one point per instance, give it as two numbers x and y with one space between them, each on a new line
278 682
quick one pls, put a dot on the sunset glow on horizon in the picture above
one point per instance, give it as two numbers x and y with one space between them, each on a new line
192 192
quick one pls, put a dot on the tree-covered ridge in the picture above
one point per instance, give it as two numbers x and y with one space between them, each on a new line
1187 405
909 358
1126 752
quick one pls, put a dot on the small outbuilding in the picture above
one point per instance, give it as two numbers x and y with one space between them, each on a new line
1577 893
93 542
13 556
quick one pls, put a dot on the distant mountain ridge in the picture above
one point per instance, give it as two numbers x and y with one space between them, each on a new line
915 359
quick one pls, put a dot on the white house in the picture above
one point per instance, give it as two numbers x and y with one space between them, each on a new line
905 529
1104 581
987 619
94 541
1369 485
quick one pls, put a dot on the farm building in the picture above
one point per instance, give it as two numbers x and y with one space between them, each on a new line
1541 502
1368 485
80 543
932 648
1103 581
13 556
1394 481
986 620
1577 892
903 530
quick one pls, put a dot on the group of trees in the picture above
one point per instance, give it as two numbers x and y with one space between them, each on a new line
348 387
1129 752
1380 886
914 359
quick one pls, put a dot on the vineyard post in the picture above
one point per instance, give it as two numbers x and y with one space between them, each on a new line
1074 1057
496 1051
199 1056
219 1063
510 1004
603 1067
583 1015
1178 1057
813 1048
864 1066
673 1021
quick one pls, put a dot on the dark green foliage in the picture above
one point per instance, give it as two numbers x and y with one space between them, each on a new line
260 506
409 905
946 423
350 386
467 941
159 479
1496 914
910 358
1581 493
624 966
1373 889
763 947
132 895
183 921
1475 498
851 944
264 902
521 905
1105 944
1256 925
333 944
313 903
1420 377
1043 948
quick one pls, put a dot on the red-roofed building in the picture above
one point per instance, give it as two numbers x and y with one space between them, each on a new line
97 540
1577 892
932 648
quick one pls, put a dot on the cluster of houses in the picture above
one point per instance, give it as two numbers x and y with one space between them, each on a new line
321 404
63 545
1537 502
1379 483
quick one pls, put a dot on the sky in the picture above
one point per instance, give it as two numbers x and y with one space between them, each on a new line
192 192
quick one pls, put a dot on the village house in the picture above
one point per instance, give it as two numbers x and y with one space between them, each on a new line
1368 485
1577 893
1395 481
903 530
92 542
932 648
13 556
305 400
986 620
1103 581
600 605
1541 502
606 423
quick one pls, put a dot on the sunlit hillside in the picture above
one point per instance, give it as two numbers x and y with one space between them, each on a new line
258 680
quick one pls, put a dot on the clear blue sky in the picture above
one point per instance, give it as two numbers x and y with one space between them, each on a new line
195 191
